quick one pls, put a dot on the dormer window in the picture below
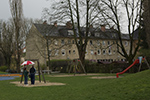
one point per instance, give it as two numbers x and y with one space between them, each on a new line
114 36
70 32
89 34
126 43
97 34
98 42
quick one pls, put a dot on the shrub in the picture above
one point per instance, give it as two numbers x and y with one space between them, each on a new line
3 68
43 67
59 65
93 67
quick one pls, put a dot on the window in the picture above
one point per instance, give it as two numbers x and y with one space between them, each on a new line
56 52
97 34
63 52
74 51
70 32
49 52
55 42
62 42
108 43
114 51
127 51
113 42
72 41
114 35
92 52
98 52
109 51
69 51
89 34
104 51
98 42
79 42
103 42
86 52
69 41
126 43
91 42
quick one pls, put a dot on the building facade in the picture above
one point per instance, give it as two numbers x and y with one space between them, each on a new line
101 44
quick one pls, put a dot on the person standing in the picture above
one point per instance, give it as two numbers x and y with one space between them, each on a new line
32 74
25 76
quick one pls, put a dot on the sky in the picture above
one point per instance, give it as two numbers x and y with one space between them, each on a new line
31 8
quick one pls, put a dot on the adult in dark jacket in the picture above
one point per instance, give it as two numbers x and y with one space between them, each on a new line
32 74
25 76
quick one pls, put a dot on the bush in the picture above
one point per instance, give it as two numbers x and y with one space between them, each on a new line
93 67
43 67
59 65
3 68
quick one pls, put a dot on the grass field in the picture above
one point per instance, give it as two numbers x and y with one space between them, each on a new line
3 72
129 87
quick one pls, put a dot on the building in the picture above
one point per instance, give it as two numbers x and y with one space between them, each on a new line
101 45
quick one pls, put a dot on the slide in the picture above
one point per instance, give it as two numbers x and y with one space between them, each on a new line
135 62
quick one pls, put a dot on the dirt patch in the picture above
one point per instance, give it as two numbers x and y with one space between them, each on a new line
37 83
74 75
103 77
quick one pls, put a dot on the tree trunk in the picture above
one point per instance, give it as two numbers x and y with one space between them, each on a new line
18 60
147 20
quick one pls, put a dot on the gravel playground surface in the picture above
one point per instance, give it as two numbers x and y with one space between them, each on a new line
37 83
70 75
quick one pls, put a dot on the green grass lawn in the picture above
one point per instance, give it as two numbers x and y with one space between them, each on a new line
3 72
130 87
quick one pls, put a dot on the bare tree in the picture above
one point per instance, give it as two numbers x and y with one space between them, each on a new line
112 13
146 16
17 21
6 43
80 13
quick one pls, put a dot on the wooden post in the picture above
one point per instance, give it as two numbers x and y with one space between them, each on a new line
39 71
75 70
83 67
70 69
22 76
140 67
147 62
42 74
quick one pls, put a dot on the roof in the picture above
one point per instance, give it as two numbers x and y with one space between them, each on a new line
63 31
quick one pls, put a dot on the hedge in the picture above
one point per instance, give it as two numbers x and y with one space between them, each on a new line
90 67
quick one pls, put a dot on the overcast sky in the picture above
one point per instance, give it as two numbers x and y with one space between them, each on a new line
31 8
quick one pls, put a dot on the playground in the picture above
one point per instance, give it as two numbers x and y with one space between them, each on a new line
129 87
86 86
